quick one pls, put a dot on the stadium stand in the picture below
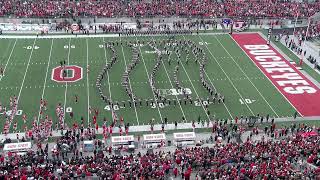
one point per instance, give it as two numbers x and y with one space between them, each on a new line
117 8
286 155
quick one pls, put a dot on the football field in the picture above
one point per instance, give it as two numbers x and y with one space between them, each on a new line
32 71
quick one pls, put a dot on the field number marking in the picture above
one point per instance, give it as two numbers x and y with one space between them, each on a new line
198 103
108 107
8 113
69 109
175 92
157 52
30 47
203 43
67 46
136 45
153 105
247 101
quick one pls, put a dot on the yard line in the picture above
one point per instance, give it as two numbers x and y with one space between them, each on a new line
110 95
195 91
88 81
66 90
205 72
224 104
172 85
105 56
226 75
25 73
134 104
5 67
145 67
6 51
45 79
246 76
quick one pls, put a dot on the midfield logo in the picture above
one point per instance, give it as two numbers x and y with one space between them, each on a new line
69 73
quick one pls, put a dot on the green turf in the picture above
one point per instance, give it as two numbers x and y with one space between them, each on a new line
228 69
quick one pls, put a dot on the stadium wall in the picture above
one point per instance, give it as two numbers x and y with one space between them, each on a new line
130 20
33 25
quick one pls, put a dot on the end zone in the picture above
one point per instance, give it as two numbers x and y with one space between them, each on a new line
302 94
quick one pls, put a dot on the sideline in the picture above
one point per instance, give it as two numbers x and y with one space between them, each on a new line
168 127
60 36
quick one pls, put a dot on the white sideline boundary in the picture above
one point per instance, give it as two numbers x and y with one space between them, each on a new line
57 36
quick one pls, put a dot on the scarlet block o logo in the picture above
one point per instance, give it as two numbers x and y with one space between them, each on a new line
67 74
75 27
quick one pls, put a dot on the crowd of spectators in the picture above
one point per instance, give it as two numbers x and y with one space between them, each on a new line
282 153
300 36
315 31
163 8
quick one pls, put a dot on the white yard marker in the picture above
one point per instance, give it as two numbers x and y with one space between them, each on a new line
88 81
216 91
195 91
66 90
24 77
145 67
105 56
172 85
5 67
45 79
134 104
110 95
25 73
246 76
227 76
